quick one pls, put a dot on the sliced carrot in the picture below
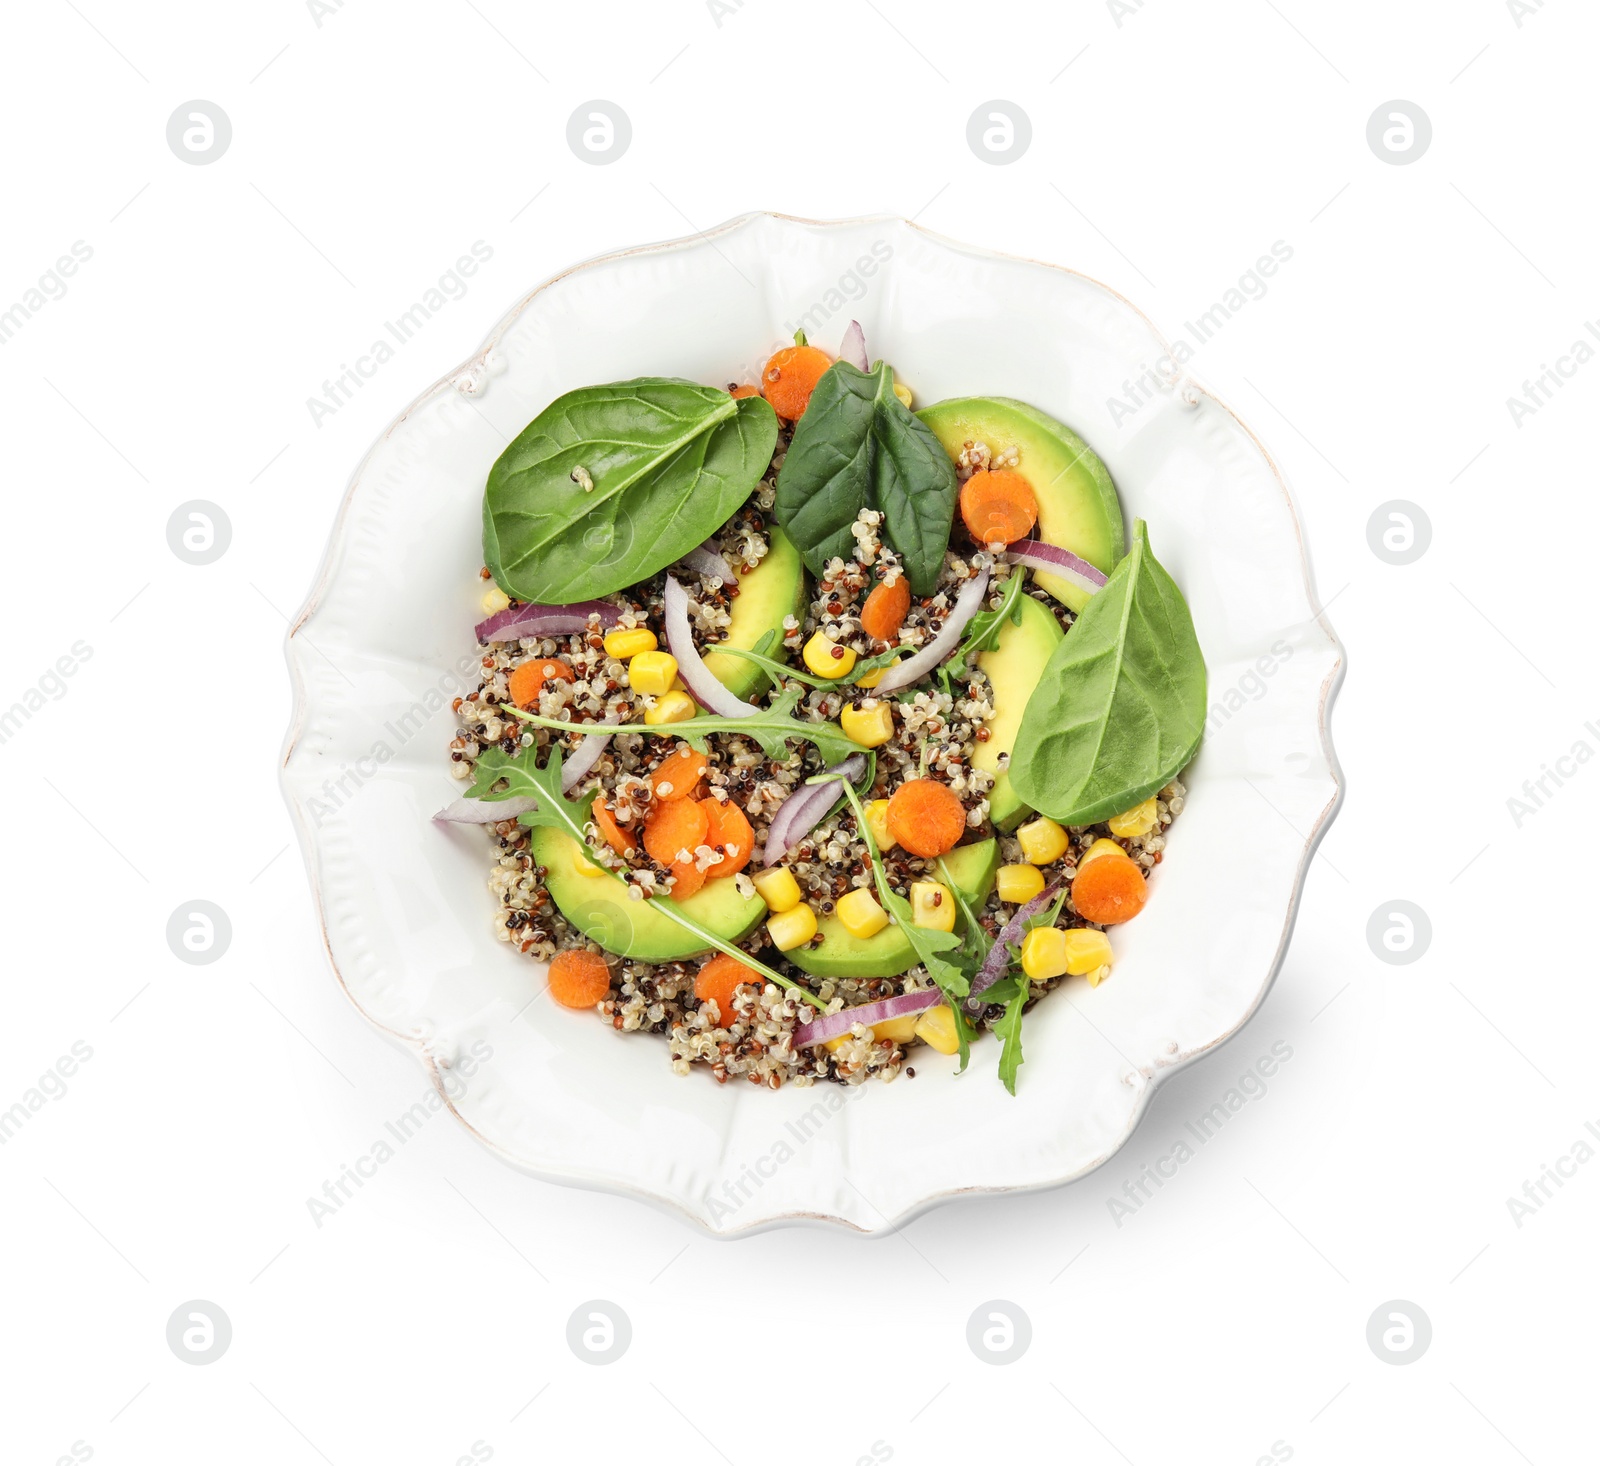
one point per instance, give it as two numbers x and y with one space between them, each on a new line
886 609
1109 889
998 504
746 391
529 678
622 841
678 773
728 832
579 979
679 824
926 817
687 878
718 981
790 378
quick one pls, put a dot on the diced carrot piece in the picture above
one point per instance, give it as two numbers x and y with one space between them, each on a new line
579 979
677 774
790 378
678 824
729 833
998 505
687 878
1109 889
745 391
717 982
886 608
926 817
624 842
528 679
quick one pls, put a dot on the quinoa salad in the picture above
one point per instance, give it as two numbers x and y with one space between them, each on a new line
820 737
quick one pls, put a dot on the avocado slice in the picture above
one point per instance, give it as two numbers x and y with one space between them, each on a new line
1078 505
888 953
603 910
1014 667
774 589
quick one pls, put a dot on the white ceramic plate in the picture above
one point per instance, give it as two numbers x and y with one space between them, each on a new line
386 641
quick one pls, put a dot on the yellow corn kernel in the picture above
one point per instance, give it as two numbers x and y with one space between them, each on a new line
937 1029
585 866
792 928
870 725
903 392
1099 848
1044 953
1132 823
872 678
933 906
859 913
1043 841
878 824
901 1030
1098 976
673 707
495 599
827 658
1018 883
778 888
652 672
624 644
1086 951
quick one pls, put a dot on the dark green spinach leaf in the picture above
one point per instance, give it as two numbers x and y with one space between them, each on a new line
857 447
609 484
1121 707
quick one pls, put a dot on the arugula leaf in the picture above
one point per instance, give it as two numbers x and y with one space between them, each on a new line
780 671
1008 1028
522 775
1121 706
610 484
858 447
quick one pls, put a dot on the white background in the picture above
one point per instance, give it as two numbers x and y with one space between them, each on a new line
1228 1314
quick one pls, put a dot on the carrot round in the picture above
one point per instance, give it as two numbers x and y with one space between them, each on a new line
997 504
679 824
619 839
579 979
678 773
926 817
1109 889
528 679
746 391
790 378
718 980
886 609
728 832
687 878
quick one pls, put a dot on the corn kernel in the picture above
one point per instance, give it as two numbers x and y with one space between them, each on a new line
1086 950
624 644
1099 848
673 707
869 726
878 824
859 913
937 1029
827 658
1043 841
1044 953
778 888
585 866
792 928
1018 883
1132 823
903 392
901 1030
495 599
933 906
1098 976
652 672
872 678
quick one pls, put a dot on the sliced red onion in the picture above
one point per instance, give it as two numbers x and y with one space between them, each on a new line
853 348
697 677
999 958
587 754
803 810
485 811
1053 560
519 621
706 560
914 669
831 1025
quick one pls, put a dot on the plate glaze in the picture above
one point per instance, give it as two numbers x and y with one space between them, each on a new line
385 643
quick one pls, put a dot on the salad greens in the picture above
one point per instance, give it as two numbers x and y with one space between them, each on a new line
609 484
858 447
1121 707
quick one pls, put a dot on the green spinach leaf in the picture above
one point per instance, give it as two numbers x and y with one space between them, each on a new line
1121 707
609 484
857 447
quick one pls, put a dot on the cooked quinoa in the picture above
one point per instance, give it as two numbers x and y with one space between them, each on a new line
935 736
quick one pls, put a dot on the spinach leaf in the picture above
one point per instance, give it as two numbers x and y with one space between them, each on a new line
609 484
857 447
1121 707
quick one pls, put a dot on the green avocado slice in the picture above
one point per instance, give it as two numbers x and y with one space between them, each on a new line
774 589
1013 666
